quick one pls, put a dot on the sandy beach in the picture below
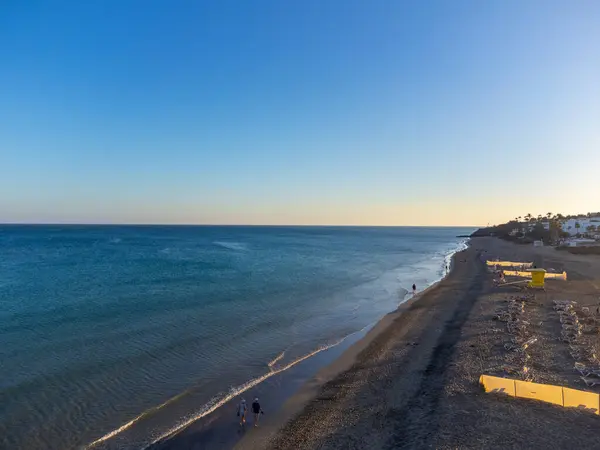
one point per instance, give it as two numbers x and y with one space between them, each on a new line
412 381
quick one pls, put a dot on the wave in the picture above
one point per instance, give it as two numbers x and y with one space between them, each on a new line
233 392
445 269
127 425
277 358
216 402
402 292
114 240
220 400
237 246
462 245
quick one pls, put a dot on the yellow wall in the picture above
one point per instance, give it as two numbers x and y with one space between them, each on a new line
558 395
581 399
536 391
498 385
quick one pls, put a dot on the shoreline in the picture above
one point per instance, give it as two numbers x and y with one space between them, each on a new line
310 388
413 381
316 389
316 371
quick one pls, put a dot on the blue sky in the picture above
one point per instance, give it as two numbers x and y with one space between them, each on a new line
300 112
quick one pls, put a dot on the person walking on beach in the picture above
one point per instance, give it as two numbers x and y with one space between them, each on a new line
242 412
414 289
256 410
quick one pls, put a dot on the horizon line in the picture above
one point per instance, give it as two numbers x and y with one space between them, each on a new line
226 225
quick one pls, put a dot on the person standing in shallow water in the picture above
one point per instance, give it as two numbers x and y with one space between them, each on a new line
414 289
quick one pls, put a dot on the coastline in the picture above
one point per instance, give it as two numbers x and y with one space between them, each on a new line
287 392
413 382
311 388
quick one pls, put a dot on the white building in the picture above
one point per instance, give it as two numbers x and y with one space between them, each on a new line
531 225
569 226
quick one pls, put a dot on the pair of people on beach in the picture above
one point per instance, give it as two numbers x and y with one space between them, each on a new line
243 409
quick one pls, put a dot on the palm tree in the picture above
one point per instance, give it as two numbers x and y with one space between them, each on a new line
528 217
577 227
549 215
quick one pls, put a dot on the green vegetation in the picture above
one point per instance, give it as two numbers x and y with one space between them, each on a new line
546 228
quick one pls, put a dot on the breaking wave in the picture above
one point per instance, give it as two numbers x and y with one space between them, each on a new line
236 246
216 402
277 358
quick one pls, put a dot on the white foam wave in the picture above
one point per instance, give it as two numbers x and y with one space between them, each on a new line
445 269
215 402
132 421
462 245
237 246
402 292
233 392
277 358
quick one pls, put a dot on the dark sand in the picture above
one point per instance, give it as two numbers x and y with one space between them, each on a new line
412 382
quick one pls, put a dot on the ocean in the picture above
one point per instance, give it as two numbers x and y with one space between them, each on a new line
118 336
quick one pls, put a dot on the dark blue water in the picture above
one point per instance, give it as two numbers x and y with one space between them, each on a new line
102 326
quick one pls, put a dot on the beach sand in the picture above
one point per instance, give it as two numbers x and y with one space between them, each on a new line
412 381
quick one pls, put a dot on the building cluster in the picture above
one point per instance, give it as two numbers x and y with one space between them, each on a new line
582 226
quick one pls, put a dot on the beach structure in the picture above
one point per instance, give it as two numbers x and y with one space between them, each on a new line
558 395
537 278
521 284
581 242
509 264
530 274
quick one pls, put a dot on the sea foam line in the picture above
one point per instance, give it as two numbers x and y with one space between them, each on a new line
134 420
216 403
239 390
238 246
277 358
213 404
460 246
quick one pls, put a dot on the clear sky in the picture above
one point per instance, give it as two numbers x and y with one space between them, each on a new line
298 112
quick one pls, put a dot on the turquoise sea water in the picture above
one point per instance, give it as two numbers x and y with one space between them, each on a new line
119 334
